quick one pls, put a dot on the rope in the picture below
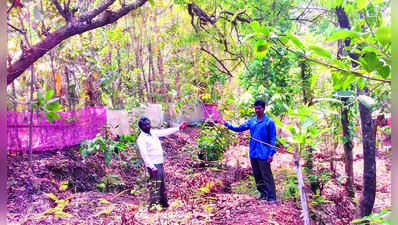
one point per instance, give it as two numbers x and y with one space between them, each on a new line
262 142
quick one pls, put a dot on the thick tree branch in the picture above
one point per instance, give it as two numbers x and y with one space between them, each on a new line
95 12
74 27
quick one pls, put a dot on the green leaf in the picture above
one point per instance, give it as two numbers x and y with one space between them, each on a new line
152 2
84 152
320 51
51 116
261 48
336 78
349 79
53 105
314 79
296 41
49 94
342 34
361 4
369 61
362 83
383 34
284 39
108 157
40 97
256 26
383 71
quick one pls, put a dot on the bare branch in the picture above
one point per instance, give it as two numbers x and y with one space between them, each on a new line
218 60
61 10
17 29
95 12
12 6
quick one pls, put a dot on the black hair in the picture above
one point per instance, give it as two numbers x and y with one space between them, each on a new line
142 120
259 103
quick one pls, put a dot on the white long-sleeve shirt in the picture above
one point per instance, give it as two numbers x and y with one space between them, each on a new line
150 147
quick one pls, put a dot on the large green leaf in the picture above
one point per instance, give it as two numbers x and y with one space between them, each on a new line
342 34
296 41
383 71
261 48
383 34
349 79
256 26
361 4
369 61
53 106
51 116
49 94
320 51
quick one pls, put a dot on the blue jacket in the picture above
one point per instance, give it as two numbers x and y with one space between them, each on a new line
263 130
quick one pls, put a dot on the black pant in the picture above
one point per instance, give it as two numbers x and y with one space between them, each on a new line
157 187
264 178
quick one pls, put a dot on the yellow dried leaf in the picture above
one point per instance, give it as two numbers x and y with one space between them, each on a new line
64 185
52 196
103 200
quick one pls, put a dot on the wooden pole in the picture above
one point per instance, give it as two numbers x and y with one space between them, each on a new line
303 197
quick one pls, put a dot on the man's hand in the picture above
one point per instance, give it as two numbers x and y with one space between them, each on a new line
221 121
183 125
270 158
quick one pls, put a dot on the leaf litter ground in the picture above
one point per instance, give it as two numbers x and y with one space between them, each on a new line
198 193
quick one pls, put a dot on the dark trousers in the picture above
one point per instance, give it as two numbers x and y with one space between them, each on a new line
264 178
157 187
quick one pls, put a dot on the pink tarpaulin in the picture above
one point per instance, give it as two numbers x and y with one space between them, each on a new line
71 129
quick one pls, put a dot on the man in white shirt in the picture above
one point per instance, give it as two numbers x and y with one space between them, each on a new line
152 153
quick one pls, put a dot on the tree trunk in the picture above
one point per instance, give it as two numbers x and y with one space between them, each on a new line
53 71
348 146
368 139
163 87
31 117
306 79
151 74
369 159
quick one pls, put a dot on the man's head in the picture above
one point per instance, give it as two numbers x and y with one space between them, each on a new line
144 124
259 107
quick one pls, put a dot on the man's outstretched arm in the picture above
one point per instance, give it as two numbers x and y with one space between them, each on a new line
240 128
168 131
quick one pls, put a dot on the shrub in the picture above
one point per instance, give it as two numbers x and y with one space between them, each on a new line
213 142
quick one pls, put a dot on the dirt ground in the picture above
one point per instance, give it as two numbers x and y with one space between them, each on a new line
198 194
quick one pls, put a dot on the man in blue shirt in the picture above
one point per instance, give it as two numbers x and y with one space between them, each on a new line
263 135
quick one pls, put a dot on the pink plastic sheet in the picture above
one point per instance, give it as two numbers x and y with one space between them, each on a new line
71 129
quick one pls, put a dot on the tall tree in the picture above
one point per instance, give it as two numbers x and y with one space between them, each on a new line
99 16
368 138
